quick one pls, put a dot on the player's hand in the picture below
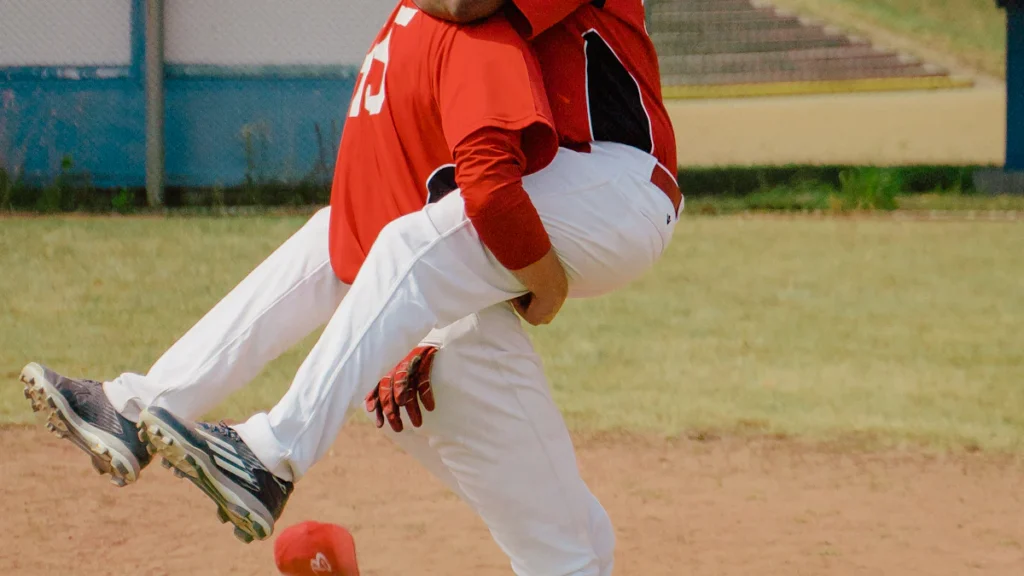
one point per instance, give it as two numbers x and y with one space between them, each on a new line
408 384
548 286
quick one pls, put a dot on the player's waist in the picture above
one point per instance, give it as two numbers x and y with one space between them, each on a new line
660 176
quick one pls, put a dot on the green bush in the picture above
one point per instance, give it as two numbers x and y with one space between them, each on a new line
6 190
708 190
868 189
123 202
805 196
741 181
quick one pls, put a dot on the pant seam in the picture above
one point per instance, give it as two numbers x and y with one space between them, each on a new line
238 336
362 334
585 531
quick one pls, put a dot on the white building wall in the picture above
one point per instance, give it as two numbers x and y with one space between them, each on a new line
65 32
203 32
272 32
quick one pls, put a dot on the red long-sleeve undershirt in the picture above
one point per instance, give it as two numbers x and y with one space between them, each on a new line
489 168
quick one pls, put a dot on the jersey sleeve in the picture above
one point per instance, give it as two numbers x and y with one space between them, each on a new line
536 16
489 78
489 166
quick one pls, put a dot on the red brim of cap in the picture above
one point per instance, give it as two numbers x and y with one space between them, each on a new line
316 549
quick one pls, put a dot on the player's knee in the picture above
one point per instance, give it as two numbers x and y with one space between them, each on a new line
403 236
389 240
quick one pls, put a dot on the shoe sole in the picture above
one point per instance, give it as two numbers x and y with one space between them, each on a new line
252 521
108 454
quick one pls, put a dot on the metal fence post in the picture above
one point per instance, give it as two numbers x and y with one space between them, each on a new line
1010 179
155 102
1015 86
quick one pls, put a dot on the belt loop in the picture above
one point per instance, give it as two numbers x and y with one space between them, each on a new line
661 178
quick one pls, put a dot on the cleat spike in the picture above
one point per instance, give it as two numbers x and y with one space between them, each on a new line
118 481
166 463
242 535
179 473
222 515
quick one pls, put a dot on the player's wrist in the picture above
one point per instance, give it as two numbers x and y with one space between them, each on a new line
510 227
544 278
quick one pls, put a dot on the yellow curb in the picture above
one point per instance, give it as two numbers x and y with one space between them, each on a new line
813 87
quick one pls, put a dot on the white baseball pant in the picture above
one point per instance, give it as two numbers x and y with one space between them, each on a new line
532 499
607 222
288 296
497 439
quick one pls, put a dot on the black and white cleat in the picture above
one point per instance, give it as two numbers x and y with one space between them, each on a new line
218 462
79 411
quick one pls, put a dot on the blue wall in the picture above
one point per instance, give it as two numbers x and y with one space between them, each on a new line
1015 86
97 117
221 129
100 124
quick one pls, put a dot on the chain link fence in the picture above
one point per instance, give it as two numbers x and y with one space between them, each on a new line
255 91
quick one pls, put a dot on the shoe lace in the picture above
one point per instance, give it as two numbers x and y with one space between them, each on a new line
223 429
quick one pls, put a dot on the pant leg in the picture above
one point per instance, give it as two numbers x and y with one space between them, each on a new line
498 434
418 445
607 222
287 297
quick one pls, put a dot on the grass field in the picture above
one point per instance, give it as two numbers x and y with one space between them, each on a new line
972 31
864 330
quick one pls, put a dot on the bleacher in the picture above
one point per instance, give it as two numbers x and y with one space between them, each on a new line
740 47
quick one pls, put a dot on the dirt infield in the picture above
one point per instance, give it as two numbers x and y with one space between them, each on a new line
721 506
888 128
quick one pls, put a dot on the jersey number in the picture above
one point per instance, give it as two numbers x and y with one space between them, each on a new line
365 97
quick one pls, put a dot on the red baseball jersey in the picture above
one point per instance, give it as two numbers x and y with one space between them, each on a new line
425 86
601 73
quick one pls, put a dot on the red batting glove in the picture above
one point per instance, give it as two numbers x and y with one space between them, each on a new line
408 384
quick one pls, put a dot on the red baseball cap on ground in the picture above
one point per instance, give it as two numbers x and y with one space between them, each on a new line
316 549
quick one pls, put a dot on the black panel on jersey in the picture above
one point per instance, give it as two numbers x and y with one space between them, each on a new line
616 107
441 183
598 3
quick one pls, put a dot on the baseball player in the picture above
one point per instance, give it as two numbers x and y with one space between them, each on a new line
589 223
287 296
